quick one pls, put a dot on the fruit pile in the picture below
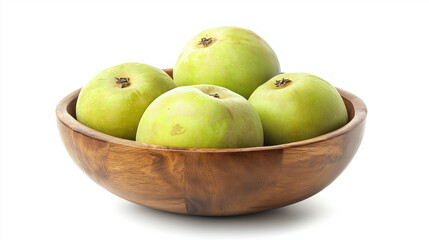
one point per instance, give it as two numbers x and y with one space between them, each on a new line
227 92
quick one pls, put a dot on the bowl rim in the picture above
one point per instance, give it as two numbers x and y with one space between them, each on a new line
358 108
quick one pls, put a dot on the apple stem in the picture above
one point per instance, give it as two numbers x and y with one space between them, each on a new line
283 81
205 41
216 95
124 82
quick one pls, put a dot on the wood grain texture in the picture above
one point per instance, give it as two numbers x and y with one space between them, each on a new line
212 182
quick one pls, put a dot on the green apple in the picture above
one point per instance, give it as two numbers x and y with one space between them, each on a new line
298 106
231 57
114 100
201 116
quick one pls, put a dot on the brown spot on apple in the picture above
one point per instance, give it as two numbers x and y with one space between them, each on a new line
177 130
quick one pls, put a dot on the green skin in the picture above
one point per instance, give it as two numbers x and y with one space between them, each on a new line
302 108
236 58
114 108
189 116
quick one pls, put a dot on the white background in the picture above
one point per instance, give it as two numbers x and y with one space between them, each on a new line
374 49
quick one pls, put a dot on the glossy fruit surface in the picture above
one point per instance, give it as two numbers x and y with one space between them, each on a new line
201 116
231 57
298 106
114 100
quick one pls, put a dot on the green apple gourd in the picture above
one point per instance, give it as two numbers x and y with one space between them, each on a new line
231 57
114 101
201 116
298 106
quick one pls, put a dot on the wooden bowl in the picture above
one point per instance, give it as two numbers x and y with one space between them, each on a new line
212 182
